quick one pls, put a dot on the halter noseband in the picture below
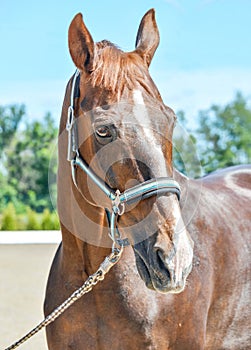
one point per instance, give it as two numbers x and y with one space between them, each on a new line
161 185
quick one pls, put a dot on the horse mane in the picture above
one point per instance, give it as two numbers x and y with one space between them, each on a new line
114 69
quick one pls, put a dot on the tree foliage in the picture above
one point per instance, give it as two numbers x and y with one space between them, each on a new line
28 162
221 139
224 135
24 168
185 154
10 118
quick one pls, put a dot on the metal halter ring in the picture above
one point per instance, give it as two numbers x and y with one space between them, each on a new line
117 206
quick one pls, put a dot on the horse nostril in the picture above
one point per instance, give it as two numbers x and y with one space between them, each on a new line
167 252
162 264
161 258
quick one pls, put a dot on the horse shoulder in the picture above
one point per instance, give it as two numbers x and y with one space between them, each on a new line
222 233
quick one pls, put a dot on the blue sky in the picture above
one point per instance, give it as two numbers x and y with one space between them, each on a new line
204 55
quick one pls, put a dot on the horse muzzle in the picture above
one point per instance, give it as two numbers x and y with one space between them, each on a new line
160 274
163 263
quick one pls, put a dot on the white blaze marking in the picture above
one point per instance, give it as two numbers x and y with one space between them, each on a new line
138 98
141 114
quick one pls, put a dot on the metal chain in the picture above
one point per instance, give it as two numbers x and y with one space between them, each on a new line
92 280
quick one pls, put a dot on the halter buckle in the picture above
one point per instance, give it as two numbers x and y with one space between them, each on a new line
70 118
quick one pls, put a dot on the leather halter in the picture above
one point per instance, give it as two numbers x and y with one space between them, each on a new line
157 186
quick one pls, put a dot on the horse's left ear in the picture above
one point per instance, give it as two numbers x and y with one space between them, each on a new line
81 44
147 39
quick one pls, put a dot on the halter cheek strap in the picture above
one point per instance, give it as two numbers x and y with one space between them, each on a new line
158 186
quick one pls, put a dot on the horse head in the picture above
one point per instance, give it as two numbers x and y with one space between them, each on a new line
126 137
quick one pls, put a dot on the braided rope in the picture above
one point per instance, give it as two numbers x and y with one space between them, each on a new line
87 286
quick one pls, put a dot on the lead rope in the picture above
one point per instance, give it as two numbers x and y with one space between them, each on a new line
92 280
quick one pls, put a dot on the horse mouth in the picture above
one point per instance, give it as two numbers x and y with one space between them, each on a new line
157 277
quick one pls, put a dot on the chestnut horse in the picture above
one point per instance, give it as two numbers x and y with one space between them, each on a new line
123 132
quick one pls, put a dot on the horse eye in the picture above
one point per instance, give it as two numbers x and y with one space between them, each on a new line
103 131
105 134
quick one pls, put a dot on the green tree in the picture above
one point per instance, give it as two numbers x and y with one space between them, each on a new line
224 135
185 155
10 118
28 160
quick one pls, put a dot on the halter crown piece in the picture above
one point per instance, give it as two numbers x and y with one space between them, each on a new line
157 186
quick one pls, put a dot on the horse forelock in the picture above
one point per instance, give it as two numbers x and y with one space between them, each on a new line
115 70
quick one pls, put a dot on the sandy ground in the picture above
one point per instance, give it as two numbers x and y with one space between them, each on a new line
24 270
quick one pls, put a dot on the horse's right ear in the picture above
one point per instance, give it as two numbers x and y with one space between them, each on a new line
81 44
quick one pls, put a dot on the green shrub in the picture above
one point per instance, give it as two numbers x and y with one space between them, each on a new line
49 220
21 221
9 218
33 220
55 221
29 219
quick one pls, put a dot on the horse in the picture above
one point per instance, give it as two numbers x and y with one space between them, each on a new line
183 280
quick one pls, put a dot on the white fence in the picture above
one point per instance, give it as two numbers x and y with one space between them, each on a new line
30 237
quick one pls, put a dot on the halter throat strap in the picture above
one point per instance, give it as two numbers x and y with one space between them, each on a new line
157 186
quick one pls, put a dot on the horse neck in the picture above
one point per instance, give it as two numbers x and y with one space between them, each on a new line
85 241
84 238
80 255
84 232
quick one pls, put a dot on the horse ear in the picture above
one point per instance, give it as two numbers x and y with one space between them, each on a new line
81 44
147 39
